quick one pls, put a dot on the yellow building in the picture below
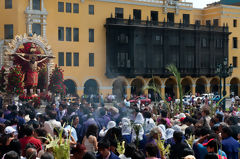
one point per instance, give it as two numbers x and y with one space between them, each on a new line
76 31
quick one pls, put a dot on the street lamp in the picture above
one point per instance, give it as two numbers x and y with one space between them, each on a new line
224 71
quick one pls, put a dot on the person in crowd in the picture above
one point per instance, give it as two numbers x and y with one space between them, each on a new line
111 124
47 155
79 151
11 155
29 138
104 150
52 123
126 129
213 147
90 138
31 153
177 150
151 151
229 144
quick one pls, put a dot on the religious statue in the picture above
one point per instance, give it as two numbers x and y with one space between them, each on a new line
30 58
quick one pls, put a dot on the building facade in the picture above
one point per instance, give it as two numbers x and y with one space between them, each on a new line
120 46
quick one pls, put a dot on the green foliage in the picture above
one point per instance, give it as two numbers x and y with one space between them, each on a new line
59 146
173 69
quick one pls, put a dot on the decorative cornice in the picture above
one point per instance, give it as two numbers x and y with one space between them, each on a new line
144 4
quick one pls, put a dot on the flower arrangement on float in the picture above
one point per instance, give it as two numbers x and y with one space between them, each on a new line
56 85
15 81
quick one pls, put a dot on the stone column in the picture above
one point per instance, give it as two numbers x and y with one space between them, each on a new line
31 5
163 91
145 92
208 86
228 90
42 5
44 23
128 88
193 89
80 91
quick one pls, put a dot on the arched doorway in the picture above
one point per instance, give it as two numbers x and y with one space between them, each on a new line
154 96
70 87
201 86
186 86
215 86
91 87
171 88
119 88
136 87
234 86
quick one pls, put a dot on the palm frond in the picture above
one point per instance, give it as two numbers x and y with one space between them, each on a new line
173 69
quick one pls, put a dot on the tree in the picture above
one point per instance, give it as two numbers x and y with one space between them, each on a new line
15 81
56 85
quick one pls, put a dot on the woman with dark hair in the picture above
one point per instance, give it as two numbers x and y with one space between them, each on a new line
90 138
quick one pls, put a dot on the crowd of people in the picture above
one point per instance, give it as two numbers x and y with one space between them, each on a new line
120 131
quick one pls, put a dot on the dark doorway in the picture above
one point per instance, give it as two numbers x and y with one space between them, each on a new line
91 87
70 87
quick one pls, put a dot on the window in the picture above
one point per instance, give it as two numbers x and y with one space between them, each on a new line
68 34
208 22
8 4
197 22
122 38
235 62
235 23
91 59
235 42
170 18
186 19
60 7
204 43
36 28
60 33
119 13
36 5
154 16
75 34
75 8
91 35
68 59
122 59
215 22
76 59
91 9
68 7
136 14
159 39
8 31
60 59
219 43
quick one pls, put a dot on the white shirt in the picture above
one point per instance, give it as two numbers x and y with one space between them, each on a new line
50 125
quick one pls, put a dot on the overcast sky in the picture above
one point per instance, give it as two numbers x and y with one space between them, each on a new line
200 3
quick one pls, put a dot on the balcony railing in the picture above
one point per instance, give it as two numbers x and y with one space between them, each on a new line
156 24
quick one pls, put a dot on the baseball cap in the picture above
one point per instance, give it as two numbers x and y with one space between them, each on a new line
9 130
